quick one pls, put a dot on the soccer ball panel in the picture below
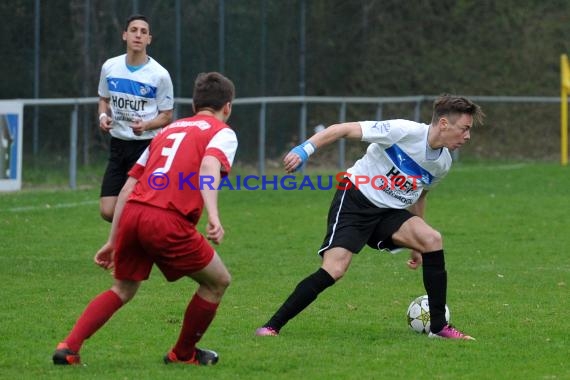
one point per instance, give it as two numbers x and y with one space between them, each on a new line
418 315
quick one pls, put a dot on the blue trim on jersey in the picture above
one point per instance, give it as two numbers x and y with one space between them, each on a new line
406 164
132 68
131 87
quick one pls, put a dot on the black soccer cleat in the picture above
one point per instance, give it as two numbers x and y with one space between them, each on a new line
201 357
63 355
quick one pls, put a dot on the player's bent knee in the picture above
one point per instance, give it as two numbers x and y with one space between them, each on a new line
107 208
432 241
219 286
225 281
108 217
106 212
336 272
125 290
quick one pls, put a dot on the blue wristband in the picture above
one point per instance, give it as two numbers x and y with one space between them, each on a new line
304 151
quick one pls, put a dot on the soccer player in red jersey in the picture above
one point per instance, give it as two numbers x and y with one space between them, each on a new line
157 212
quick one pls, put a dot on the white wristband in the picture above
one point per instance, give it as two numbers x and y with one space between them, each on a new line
308 147
102 115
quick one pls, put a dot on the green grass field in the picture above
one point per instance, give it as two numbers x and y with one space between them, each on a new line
506 234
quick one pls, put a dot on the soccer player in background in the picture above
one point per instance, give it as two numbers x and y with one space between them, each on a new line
413 157
156 217
135 100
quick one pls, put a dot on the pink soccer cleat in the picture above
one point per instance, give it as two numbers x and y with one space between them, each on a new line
450 332
266 331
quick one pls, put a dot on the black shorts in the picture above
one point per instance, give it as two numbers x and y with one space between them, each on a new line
123 155
354 221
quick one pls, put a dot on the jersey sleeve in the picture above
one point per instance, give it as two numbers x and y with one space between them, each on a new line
436 179
385 132
103 89
165 93
223 146
434 182
138 168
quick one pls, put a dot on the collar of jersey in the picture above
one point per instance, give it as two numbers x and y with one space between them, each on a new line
132 68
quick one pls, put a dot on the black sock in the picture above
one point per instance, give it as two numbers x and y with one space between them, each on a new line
435 282
306 292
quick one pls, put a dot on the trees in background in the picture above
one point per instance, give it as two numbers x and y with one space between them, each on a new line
353 48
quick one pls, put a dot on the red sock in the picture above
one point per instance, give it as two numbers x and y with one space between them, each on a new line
99 310
199 314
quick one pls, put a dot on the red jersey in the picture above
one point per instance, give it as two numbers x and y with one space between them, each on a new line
168 172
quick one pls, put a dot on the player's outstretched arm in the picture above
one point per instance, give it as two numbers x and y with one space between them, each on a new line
210 168
297 157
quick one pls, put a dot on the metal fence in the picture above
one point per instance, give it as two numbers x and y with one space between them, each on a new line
254 139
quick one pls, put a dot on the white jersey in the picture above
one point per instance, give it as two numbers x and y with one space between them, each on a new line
398 163
137 95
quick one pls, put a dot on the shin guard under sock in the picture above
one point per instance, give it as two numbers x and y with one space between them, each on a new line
435 283
96 314
304 294
197 318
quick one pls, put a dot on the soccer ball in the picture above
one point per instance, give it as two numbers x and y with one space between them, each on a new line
418 315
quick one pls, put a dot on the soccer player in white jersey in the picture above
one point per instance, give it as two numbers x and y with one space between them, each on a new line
135 100
381 202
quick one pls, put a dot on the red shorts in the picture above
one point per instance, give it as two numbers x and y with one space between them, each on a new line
149 235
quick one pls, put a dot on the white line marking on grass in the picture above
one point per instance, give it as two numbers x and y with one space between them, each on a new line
489 167
50 206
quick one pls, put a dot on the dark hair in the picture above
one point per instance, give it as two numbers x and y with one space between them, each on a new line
136 17
449 105
212 90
